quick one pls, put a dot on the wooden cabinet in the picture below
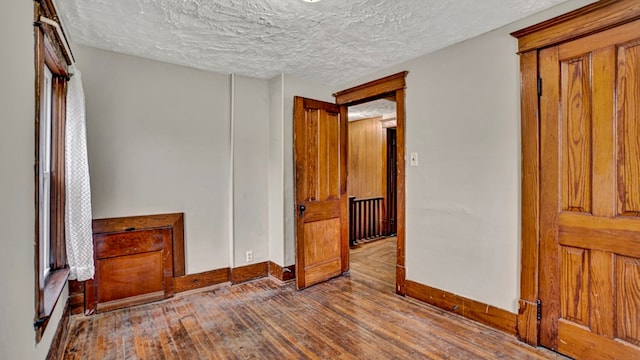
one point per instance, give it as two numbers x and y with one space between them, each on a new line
135 260
132 267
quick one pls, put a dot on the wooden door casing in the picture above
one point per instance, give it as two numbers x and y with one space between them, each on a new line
392 86
322 244
590 195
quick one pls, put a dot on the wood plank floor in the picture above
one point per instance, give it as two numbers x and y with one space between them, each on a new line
356 316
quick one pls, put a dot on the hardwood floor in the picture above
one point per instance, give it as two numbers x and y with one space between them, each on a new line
375 262
356 316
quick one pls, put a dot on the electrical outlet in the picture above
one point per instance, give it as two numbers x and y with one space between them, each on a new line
249 256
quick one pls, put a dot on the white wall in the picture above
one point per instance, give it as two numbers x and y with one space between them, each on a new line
463 200
251 118
276 170
17 211
277 165
159 142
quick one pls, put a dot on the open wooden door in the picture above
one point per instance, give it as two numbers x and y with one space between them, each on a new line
320 154
590 195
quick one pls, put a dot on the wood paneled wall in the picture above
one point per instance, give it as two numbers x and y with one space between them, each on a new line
366 158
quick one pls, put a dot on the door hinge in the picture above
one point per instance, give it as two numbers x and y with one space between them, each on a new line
539 309
39 322
539 86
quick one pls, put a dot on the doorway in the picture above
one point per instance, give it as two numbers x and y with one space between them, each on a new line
320 154
371 180
372 170
390 88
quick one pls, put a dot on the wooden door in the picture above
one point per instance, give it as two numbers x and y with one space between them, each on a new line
322 244
590 195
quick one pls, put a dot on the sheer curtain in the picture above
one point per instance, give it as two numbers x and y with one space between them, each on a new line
78 190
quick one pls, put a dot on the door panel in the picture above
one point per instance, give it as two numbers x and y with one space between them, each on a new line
117 273
575 292
321 251
628 92
590 196
576 153
321 201
628 295
132 267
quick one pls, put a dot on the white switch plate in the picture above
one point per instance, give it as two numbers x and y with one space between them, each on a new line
413 159
249 256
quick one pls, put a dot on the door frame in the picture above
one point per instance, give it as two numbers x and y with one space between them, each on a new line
584 21
392 86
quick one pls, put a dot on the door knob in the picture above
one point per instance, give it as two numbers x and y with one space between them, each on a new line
301 209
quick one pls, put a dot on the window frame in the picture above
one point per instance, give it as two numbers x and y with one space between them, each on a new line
52 55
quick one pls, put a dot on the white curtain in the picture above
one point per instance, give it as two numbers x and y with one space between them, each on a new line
78 199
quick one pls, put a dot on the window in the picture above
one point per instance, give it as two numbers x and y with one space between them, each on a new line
51 62
44 174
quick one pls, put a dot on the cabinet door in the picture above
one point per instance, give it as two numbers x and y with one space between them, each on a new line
132 267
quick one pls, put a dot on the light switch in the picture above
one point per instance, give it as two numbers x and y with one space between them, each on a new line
413 159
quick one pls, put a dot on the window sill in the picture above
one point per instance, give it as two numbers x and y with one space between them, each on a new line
54 284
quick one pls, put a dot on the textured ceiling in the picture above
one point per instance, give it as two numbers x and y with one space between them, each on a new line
331 41
381 107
